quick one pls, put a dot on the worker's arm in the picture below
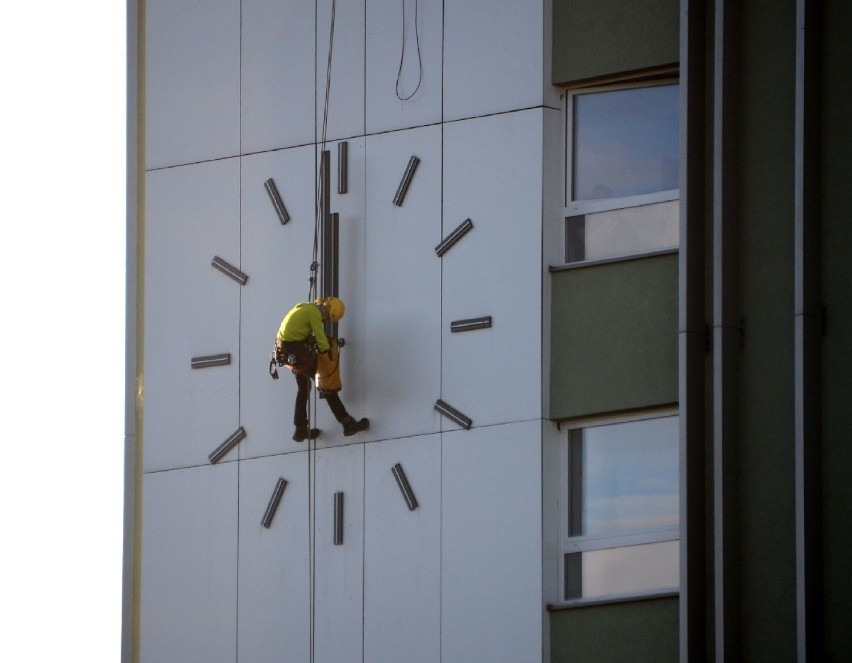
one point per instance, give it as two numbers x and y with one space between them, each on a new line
318 330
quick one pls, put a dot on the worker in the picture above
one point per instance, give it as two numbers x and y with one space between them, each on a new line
300 337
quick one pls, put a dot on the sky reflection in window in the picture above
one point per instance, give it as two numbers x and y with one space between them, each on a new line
625 142
630 477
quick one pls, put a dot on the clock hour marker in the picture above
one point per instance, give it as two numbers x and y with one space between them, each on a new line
277 203
227 445
211 360
453 414
342 167
406 181
229 270
471 324
465 227
404 486
338 519
272 507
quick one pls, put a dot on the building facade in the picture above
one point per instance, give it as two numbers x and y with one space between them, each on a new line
595 267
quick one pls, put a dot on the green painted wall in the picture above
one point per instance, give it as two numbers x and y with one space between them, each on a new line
618 632
593 38
837 342
614 337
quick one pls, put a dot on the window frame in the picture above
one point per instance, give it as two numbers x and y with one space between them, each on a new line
571 207
569 544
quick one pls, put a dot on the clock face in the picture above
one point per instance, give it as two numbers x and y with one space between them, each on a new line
323 278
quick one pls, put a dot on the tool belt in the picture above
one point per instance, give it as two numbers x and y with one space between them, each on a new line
298 356
301 358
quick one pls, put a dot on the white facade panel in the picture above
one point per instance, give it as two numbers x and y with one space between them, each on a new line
403 284
338 578
192 78
492 175
191 310
188 600
346 99
274 563
402 559
493 56
277 260
278 65
394 100
491 603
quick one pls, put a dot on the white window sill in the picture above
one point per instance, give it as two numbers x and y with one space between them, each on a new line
604 261
615 598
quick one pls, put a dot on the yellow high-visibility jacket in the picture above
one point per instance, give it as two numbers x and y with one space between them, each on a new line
303 320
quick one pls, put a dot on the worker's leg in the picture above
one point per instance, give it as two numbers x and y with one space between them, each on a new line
350 425
300 415
336 405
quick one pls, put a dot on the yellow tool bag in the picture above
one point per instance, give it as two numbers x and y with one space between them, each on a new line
328 368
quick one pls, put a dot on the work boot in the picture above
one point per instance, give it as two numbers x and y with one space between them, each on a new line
350 426
304 433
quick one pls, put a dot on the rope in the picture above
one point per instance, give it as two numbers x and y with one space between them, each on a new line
312 294
402 52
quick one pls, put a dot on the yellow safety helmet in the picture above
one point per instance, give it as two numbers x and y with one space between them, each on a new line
335 307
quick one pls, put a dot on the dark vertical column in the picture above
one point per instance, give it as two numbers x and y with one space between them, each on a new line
727 335
808 333
329 238
342 167
692 331
325 225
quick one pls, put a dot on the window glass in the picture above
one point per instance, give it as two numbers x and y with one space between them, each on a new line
622 508
621 232
625 570
629 477
625 142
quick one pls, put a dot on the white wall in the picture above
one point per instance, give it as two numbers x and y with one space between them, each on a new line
235 95
192 81
493 56
278 47
346 98
493 375
191 310
402 552
189 560
392 105
403 306
491 546
338 575
274 562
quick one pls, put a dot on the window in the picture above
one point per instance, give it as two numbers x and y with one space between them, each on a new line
622 168
620 514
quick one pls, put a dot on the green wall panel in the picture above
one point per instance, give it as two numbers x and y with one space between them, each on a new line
614 337
618 632
593 38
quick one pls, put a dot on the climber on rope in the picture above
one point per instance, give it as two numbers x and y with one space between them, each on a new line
300 339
